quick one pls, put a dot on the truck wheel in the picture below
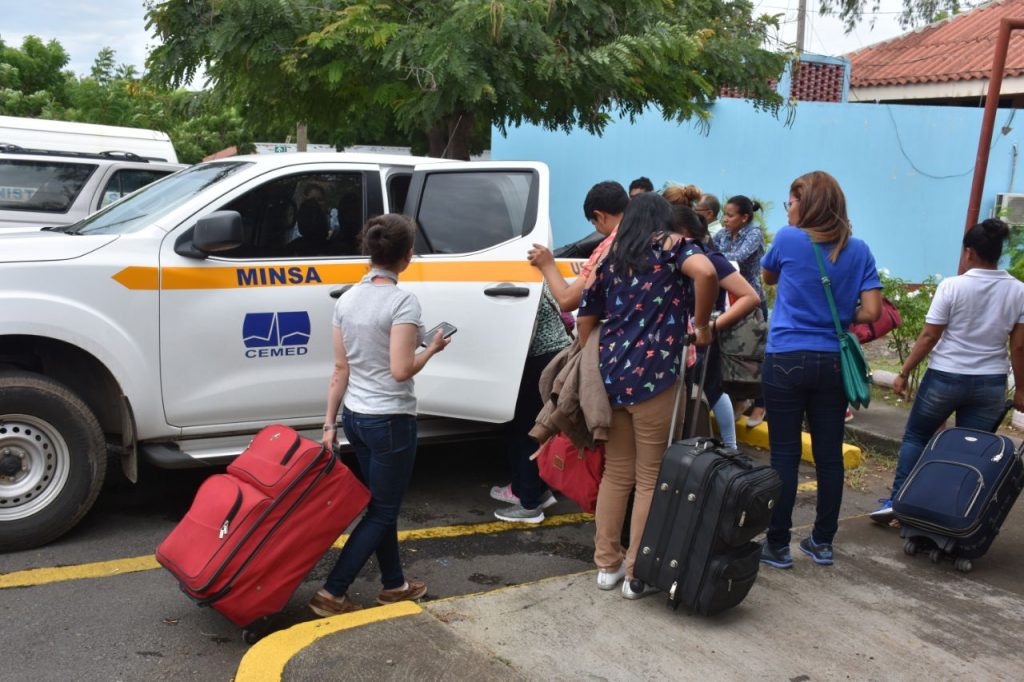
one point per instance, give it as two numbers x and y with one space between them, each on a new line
53 458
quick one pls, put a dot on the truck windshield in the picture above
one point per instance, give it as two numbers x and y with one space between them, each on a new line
156 200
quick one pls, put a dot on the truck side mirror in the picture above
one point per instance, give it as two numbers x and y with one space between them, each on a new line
219 231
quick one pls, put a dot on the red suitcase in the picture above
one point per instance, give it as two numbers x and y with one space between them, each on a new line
254 533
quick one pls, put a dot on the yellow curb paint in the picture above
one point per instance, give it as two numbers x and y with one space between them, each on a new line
99 569
807 486
480 528
758 437
106 569
265 660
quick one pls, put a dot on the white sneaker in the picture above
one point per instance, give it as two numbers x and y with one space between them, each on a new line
627 589
503 493
608 578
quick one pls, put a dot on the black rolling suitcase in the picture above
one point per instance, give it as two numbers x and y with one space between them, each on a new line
709 503
956 498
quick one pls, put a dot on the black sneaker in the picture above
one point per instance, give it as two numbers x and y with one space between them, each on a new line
777 557
820 553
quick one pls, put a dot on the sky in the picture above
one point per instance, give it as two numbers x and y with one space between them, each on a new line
121 25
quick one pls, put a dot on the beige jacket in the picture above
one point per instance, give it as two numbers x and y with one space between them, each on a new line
575 401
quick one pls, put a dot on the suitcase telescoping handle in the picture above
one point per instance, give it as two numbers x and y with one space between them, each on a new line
681 394
700 386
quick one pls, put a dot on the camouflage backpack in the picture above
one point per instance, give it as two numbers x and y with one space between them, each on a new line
742 348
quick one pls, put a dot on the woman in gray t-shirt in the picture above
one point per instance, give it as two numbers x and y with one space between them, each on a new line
377 331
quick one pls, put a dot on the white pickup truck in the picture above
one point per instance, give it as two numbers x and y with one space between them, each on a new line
177 322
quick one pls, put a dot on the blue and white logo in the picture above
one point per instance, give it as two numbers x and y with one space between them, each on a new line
272 335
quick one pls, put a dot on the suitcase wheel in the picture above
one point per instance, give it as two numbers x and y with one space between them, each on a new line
251 636
964 565
910 547
935 556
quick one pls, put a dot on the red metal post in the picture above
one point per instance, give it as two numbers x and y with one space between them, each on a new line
995 83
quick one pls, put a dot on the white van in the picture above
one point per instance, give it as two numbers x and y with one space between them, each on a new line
86 138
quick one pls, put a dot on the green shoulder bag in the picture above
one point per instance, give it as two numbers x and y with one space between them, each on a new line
856 373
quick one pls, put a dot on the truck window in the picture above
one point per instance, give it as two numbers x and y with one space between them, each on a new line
126 181
462 212
44 186
306 215
157 199
398 190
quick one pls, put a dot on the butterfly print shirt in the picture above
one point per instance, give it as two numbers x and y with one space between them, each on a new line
645 318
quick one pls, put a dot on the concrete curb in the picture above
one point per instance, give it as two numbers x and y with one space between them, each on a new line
758 437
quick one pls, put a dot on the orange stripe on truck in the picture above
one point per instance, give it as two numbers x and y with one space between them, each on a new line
249 275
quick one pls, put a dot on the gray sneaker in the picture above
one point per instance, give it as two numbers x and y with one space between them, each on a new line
519 514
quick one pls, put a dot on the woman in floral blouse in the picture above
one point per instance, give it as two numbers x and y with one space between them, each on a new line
741 241
645 289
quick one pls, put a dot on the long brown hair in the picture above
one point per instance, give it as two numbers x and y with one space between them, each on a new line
821 211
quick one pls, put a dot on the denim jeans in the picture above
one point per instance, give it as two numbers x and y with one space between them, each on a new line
526 481
386 448
978 401
796 384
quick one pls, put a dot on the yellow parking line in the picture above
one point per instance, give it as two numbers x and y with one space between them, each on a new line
106 569
266 659
99 569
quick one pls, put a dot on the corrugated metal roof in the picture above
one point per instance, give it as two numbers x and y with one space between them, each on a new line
956 49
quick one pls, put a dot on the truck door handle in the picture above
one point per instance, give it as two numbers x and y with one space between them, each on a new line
336 293
507 290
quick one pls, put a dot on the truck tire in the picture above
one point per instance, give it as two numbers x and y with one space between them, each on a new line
53 458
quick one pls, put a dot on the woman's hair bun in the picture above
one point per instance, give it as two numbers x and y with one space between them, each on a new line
994 227
755 205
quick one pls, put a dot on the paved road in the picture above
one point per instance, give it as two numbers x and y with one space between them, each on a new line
137 625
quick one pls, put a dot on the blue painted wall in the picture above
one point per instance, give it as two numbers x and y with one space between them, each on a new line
906 170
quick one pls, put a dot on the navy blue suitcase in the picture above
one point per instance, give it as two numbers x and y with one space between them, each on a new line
955 500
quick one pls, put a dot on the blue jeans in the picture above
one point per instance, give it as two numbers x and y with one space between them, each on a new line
978 401
527 484
386 448
795 384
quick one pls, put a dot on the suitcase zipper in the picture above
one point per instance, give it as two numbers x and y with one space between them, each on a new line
231 515
977 491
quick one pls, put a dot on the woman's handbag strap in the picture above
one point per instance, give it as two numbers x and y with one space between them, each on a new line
827 283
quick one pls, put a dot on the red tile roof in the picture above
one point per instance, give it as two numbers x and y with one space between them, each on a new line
956 49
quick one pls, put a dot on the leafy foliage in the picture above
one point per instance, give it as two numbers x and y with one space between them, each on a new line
33 83
32 77
914 12
442 68
913 305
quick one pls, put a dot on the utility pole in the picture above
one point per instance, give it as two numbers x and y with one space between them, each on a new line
801 20
300 137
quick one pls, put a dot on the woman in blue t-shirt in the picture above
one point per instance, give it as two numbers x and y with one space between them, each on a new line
802 375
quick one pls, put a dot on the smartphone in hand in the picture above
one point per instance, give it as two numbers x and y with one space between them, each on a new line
445 327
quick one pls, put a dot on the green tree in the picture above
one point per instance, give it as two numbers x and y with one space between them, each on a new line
32 77
443 69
